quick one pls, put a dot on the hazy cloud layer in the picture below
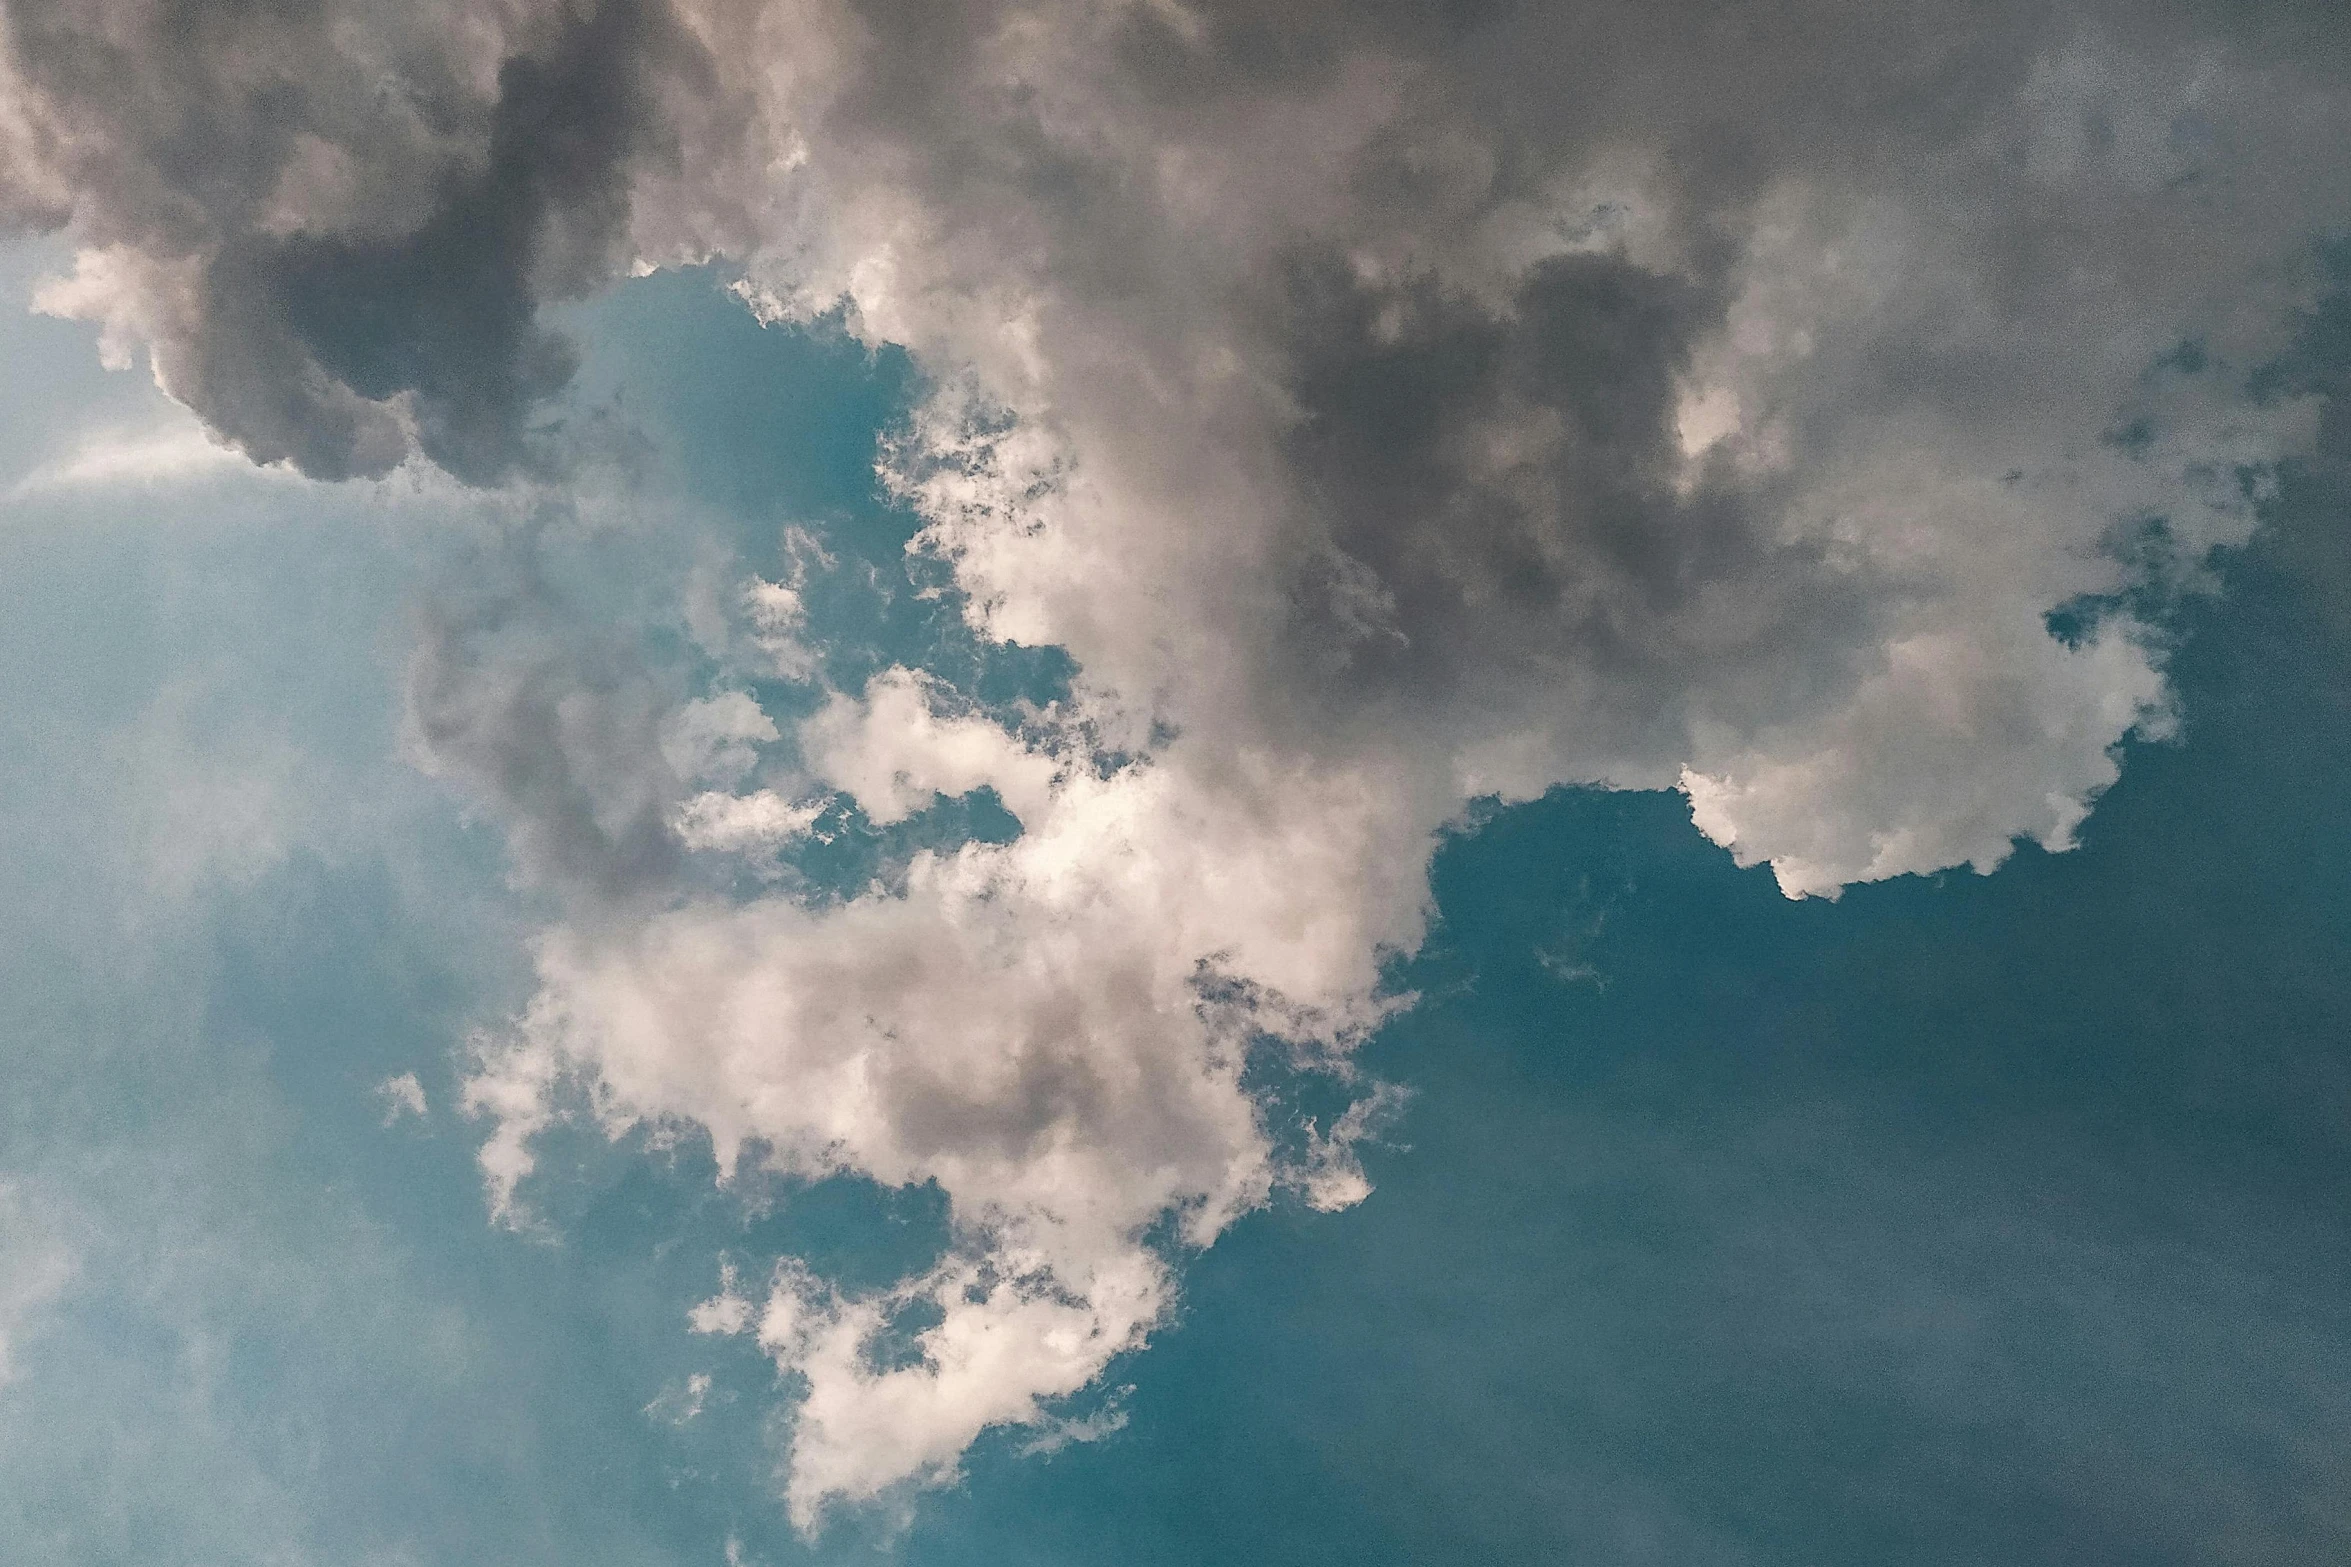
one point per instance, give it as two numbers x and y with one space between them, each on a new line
1388 406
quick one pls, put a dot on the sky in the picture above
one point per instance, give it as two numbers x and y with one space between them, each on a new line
1075 783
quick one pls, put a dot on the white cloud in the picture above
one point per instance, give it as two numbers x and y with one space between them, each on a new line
729 1311
1105 1421
1331 1177
744 821
716 739
895 752
779 618
402 1095
1046 1029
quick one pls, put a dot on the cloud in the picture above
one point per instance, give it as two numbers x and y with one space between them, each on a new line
1387 407
35 1266
553 724
680 1403
1054 1031
743 821
127 458
1384 441
1331 1176
401 1095
332 226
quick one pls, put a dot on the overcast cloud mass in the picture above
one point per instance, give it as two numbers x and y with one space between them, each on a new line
1387 409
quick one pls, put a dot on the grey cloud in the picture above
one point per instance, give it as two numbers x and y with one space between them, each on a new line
345 234
447 311
555 725
1505 394
1581 554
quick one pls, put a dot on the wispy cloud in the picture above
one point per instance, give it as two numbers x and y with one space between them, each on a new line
136 459
36 1264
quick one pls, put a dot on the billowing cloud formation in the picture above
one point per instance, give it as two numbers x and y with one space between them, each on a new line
1387 405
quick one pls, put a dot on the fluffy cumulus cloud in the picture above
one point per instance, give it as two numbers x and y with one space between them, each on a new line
1387 406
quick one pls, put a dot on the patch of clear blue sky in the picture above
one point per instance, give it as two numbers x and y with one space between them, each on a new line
1964 1220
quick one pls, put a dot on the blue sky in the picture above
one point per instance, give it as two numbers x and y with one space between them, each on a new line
1961 1219
1031 781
